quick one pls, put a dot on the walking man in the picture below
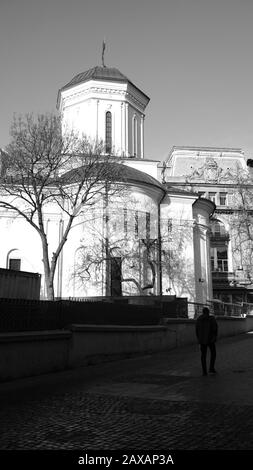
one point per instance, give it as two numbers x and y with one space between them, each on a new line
206 331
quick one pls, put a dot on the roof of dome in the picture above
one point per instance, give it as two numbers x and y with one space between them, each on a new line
124 173
133 175
99 73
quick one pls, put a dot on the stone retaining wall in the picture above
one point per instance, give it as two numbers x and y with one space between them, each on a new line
33 353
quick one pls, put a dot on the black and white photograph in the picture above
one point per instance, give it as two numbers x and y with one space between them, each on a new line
126 232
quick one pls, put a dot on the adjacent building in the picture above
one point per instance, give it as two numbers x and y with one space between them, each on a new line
221 175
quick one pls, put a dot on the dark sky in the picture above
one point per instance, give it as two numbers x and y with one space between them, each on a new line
193 58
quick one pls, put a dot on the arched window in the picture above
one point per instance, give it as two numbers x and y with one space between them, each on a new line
13 260
134 136
108 132
218 229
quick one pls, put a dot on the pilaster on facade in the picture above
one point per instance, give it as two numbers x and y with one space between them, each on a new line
142 135
123 136
126 129
97 117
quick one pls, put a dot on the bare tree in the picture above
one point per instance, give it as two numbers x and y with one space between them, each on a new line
105 249
239 217
176 267
140 257
241 223
42 169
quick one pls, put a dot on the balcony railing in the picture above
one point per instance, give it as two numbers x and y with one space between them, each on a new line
222 276
217 236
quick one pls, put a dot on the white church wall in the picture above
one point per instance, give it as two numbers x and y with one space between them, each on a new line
83 108
81 118
19 241
89 230
124 241
147 166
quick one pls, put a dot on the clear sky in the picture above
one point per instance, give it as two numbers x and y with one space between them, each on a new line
193 58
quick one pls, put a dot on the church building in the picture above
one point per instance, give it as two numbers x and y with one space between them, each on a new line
158 235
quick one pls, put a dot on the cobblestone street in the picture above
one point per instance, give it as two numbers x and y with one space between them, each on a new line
157 402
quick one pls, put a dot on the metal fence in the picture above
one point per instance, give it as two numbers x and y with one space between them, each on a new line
29 315
220 308
32 315
169 305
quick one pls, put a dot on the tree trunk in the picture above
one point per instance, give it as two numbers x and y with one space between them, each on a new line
49 287
51 277
49 281
48 271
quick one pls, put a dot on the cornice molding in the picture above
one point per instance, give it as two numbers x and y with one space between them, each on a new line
204 150
123 95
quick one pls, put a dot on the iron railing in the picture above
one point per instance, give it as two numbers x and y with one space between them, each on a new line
220 308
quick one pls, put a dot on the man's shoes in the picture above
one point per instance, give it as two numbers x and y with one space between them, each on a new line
204 373
213 371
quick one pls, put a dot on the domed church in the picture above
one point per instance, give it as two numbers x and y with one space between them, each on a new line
153 240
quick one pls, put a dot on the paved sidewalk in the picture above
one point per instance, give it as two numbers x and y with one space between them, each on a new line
158 402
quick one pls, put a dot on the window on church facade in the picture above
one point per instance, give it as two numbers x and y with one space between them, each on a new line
147 225
116 276
108 132
169 226
136 224
125 221
114 220
15 264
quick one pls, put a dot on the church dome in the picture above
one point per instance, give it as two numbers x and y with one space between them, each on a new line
103 103
110 74
97 73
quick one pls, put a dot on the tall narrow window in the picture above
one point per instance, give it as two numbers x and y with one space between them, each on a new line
223 199
116 276
169 226
136 225
108 132
134 136
125 221
219 258
222 258
147 225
